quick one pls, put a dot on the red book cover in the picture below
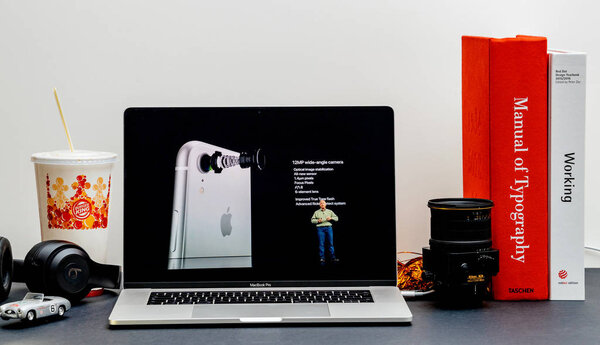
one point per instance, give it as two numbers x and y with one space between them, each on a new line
505 154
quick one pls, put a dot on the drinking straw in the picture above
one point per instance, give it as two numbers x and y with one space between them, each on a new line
64 122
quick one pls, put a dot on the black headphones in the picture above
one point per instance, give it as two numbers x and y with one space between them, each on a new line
58 268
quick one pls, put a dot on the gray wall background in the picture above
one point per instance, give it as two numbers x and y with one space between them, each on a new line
104 56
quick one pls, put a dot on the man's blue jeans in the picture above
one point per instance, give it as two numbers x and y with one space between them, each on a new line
325 232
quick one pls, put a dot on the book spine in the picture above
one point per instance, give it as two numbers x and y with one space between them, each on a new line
566 110
518 156
476 116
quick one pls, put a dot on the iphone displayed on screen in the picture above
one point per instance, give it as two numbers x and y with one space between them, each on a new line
211 220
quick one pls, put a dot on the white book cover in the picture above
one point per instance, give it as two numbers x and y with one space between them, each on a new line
566 121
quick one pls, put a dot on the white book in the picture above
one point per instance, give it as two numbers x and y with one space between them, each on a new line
566 122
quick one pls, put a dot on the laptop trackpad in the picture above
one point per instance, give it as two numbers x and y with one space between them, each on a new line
234 311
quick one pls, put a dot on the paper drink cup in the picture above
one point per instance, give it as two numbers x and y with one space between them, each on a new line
73 191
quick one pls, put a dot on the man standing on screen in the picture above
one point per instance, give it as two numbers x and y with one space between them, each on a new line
322 218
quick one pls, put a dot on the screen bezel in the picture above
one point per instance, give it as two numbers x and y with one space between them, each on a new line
148 281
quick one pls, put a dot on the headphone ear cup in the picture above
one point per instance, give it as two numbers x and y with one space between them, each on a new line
70 272
33 268
58 268
6 268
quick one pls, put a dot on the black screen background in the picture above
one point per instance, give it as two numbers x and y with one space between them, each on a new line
283 251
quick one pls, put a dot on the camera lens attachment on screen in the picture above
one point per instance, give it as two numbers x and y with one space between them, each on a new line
218 161
255 159
460 259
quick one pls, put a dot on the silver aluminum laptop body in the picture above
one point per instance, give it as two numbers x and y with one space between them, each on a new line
132 306
388 306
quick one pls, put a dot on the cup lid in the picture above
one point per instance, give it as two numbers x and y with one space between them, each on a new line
77 157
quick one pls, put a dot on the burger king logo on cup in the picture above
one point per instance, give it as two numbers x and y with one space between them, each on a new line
81 209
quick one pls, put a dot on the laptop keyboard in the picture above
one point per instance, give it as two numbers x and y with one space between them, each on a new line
245 297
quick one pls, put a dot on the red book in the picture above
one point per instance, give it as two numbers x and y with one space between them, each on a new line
505 154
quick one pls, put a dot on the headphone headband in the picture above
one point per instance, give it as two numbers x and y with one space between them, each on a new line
106 276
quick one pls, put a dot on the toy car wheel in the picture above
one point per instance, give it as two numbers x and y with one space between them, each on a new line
30 315
5 318
61 310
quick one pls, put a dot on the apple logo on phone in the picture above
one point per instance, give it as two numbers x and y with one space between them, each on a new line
226 223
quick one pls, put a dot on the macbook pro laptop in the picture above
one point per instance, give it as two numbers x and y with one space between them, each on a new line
259 215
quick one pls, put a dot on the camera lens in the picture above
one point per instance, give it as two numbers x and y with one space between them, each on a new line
460 259
204 163
461 222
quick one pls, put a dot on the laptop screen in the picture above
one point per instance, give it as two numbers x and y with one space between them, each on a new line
281 196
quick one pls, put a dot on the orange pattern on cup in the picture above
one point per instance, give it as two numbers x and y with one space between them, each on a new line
79 211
